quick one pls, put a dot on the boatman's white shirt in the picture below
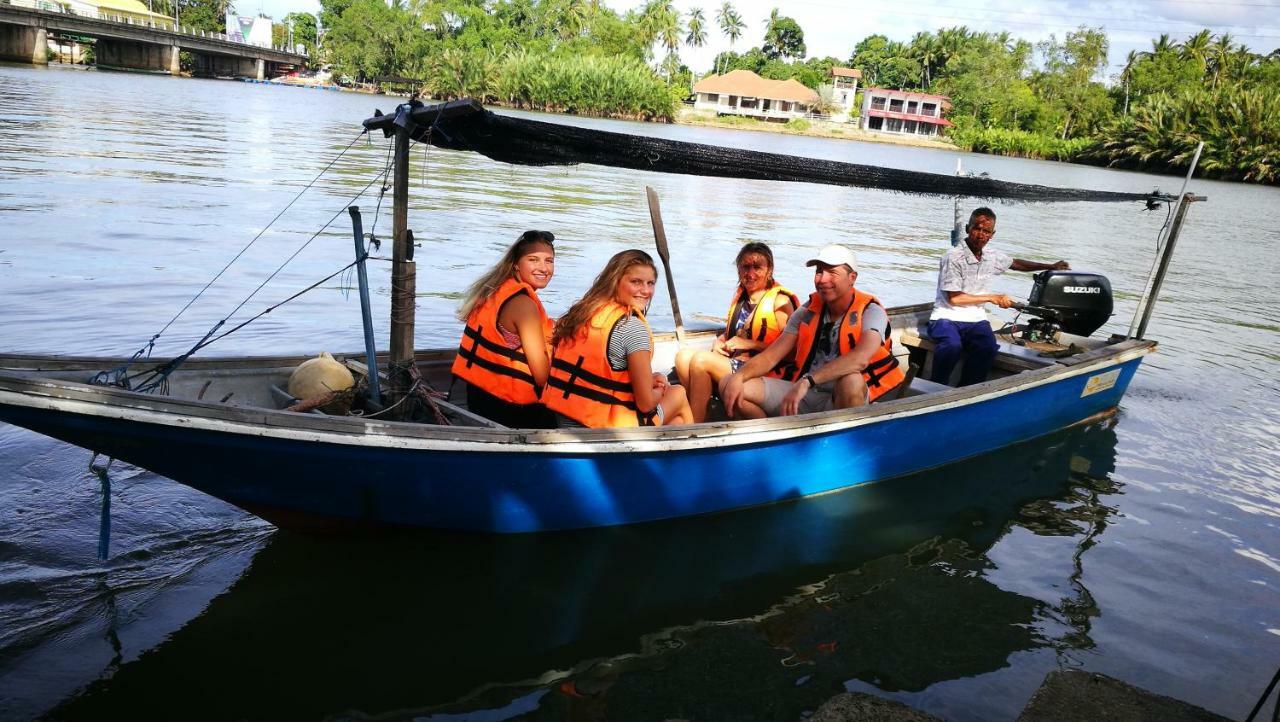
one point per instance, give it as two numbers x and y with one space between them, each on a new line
961 271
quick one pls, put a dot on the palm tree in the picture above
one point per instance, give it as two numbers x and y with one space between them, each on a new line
1162 45
1197 48
574 17
1126 75
697 36
1220 56
730 23
925 50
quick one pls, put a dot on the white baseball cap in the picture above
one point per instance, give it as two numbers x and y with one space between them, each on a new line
835 255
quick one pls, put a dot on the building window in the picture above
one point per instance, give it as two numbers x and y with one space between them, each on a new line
893 125
877 102
927 129
909 126
913 107
929 109
895 106
711 97
875 123
733 100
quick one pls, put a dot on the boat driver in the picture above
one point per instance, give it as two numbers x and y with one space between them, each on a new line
958 324
838 342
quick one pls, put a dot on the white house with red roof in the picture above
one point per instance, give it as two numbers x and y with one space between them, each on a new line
742 92
904 112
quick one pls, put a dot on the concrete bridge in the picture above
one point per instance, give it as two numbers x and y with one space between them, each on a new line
125 43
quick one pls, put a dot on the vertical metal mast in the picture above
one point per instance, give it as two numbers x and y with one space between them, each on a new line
1151 292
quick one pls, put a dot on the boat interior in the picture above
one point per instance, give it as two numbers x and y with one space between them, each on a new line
261 382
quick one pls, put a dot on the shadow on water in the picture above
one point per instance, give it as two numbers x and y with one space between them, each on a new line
759 614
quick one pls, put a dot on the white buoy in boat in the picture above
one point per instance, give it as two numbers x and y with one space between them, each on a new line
319 376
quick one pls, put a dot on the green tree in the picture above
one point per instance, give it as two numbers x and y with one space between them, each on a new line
207 15
1067 80
784 38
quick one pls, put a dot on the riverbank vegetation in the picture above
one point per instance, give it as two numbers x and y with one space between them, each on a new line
1050 100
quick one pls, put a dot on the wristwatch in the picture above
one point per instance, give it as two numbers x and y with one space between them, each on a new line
809 377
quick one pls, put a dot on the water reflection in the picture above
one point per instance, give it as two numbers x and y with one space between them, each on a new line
719 617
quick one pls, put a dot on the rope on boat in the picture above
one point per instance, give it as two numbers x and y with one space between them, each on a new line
164 370
160 374
119 376
255 239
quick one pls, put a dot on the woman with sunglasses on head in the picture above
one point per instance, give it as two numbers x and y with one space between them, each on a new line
503 356
757 315
601 369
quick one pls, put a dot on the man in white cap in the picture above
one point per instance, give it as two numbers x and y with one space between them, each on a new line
835 351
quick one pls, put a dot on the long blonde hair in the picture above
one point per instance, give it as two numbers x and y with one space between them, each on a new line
601 292
486 285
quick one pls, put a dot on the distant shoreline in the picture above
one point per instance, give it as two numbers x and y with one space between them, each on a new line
816 129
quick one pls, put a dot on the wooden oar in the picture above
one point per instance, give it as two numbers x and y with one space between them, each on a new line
660 236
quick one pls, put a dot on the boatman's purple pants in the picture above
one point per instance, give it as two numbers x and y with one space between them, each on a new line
974 339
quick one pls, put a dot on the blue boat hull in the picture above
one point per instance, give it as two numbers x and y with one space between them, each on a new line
292 481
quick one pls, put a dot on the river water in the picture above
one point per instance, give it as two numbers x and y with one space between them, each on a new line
1146 547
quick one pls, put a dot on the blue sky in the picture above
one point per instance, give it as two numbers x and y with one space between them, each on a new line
832 27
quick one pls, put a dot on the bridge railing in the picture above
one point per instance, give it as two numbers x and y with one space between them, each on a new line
53 6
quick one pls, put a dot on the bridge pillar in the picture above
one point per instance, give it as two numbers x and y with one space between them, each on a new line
261 69
24 44
40 54
175 61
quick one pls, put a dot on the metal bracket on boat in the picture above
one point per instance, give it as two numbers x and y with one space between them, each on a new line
104 518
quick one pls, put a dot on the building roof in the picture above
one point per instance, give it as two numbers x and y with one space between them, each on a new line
747 84
846 72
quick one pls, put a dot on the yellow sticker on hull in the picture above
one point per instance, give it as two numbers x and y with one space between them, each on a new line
1101 382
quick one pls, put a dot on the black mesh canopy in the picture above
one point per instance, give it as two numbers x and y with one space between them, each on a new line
466 125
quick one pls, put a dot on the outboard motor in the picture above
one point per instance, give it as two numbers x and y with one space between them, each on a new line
1071 301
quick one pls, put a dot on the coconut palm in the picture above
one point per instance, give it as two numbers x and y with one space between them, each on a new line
925 50
1162 45
697 36
730 22
1126 75
1220 56
1197 48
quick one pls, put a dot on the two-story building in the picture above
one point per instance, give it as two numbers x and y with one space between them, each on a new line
844 82
742 92
904 111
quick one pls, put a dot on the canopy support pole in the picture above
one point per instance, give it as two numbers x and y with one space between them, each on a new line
957 234
1151 292
403 269
366 313
660 237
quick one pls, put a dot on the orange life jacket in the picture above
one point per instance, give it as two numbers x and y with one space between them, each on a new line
883 373
584 387
484 359
763 324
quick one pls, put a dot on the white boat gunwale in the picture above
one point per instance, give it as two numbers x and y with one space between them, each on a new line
115 403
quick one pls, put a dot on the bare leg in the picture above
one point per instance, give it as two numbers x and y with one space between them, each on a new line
850 391
752 397
683 357
705 369
675 407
